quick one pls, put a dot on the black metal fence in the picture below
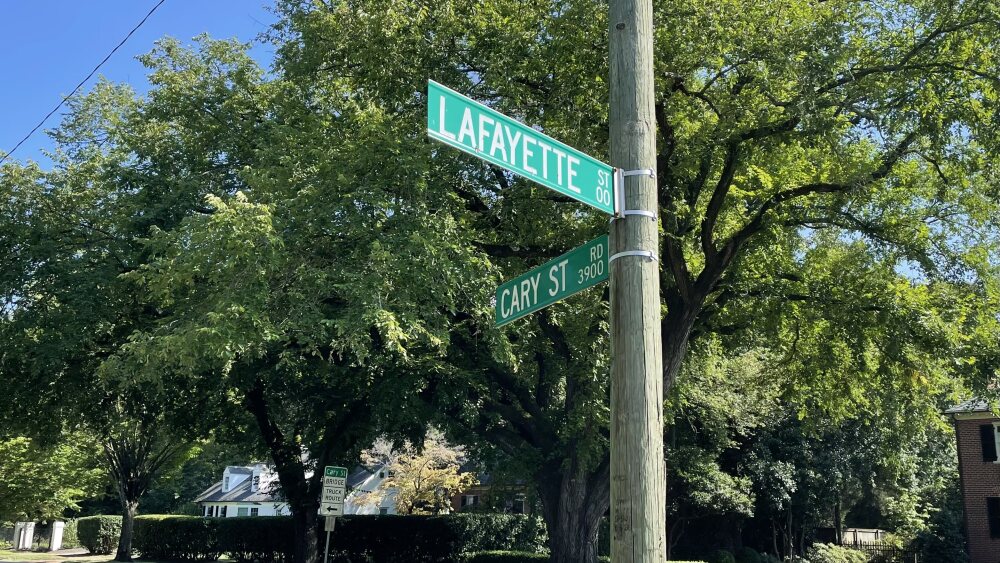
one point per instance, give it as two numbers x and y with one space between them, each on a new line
881 552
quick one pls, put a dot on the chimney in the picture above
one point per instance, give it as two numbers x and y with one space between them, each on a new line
255 478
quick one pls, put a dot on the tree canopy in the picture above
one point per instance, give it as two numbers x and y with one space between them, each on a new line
291 251
43 481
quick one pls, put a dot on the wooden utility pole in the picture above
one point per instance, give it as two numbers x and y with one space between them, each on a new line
638 478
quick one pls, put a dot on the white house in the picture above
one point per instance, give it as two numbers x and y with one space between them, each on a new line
252 491
243 491
363 480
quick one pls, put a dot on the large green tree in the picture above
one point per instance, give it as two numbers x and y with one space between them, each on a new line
68 234
780 126
43 481
824 177
264 303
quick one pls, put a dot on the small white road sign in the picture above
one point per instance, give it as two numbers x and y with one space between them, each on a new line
334 487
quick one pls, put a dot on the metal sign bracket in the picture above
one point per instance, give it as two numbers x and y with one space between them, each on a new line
647 254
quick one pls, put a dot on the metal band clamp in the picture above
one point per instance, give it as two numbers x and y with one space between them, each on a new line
640 172
643 212
620 176
647 254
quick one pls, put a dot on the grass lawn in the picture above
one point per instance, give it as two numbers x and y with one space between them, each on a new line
39 557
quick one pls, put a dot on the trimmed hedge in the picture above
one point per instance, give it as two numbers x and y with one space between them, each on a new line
515 557
99 534
722 556
830 553
386 538
523 557
70 538
392 538
176 538
263 539
506 557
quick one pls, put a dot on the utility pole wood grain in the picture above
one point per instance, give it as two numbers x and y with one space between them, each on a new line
638 479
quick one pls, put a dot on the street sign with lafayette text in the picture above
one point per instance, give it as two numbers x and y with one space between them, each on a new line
334 487
557 279
469 126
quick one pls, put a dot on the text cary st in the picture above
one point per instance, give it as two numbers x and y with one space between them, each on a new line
524 295
496 139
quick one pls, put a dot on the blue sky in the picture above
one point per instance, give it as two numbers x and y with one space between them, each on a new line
48 46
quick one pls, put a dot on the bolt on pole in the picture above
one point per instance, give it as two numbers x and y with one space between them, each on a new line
638 478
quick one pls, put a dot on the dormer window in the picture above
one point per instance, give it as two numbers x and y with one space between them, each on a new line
225 484
256 483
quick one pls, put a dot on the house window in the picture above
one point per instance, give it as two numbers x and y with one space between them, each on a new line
381 474
470 500
382 511
208 511
256 482
225 484
254 511
242 511
993 515
224 511
988 434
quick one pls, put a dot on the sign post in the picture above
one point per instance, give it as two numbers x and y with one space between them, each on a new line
557 279
471 127
332 503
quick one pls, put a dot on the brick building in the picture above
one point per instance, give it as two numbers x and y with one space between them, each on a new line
978 435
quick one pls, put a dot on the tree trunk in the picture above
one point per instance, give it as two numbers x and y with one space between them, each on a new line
129 509
287 458
838 529
573 503
305 526
133 459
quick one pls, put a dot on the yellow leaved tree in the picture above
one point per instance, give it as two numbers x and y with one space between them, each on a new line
421 480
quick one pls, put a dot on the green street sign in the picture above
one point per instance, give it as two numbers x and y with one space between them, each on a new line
333 471
480 131
555 280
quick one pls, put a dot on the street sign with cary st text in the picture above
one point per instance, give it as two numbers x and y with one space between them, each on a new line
469 126
334 487
557 279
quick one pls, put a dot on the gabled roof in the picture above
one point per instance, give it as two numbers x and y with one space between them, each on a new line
360 474
241 491
972 405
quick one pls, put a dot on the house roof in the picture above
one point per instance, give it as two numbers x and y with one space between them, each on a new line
360 474
972 405
241 491
268 484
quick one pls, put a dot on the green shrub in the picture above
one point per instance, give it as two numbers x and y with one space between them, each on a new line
99 534
357 538
249 538
176 538
505 557
499 532
435 538
747 555
830 553
722 556
70 538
